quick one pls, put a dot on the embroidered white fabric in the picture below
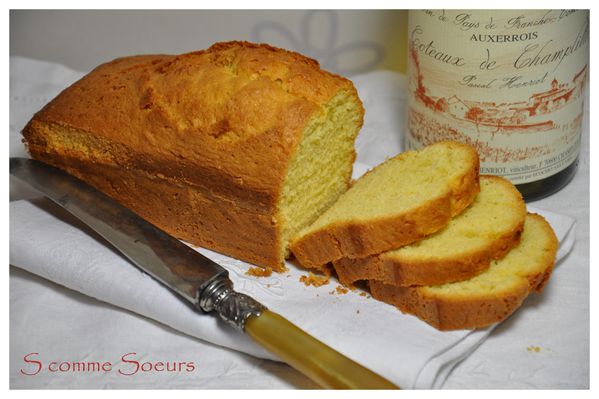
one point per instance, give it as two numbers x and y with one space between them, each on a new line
545 344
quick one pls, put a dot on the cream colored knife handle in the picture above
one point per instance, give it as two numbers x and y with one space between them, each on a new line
317 361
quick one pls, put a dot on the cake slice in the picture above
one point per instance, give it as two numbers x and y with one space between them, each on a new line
486 230
235 148
398 202
489 297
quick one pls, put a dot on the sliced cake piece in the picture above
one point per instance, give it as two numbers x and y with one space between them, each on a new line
489 297
486 230
400 201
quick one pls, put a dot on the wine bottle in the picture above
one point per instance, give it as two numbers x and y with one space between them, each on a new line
509 82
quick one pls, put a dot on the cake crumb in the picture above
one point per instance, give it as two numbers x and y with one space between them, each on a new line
341 290
314 279
362 293
259 272
533 348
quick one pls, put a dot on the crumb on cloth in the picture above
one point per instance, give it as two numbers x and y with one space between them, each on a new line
259 271
341 290
533 348
314 279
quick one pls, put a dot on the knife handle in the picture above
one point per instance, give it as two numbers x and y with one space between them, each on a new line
317 361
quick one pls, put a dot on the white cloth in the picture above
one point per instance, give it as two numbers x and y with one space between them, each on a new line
46 242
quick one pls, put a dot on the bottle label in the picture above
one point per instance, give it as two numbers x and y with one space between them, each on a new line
511 83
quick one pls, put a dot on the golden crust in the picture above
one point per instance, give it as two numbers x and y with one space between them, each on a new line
446 311
446 315
185 212
395 269
224 122
359 239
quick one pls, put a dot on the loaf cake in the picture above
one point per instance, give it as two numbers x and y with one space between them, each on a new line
235 148
398 202
487 298
486 230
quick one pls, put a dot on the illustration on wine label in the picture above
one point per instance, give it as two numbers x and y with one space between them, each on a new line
509 82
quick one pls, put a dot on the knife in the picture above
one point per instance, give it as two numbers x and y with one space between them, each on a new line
194 278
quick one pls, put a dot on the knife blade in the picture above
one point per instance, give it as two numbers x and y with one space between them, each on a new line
194 277
163 257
